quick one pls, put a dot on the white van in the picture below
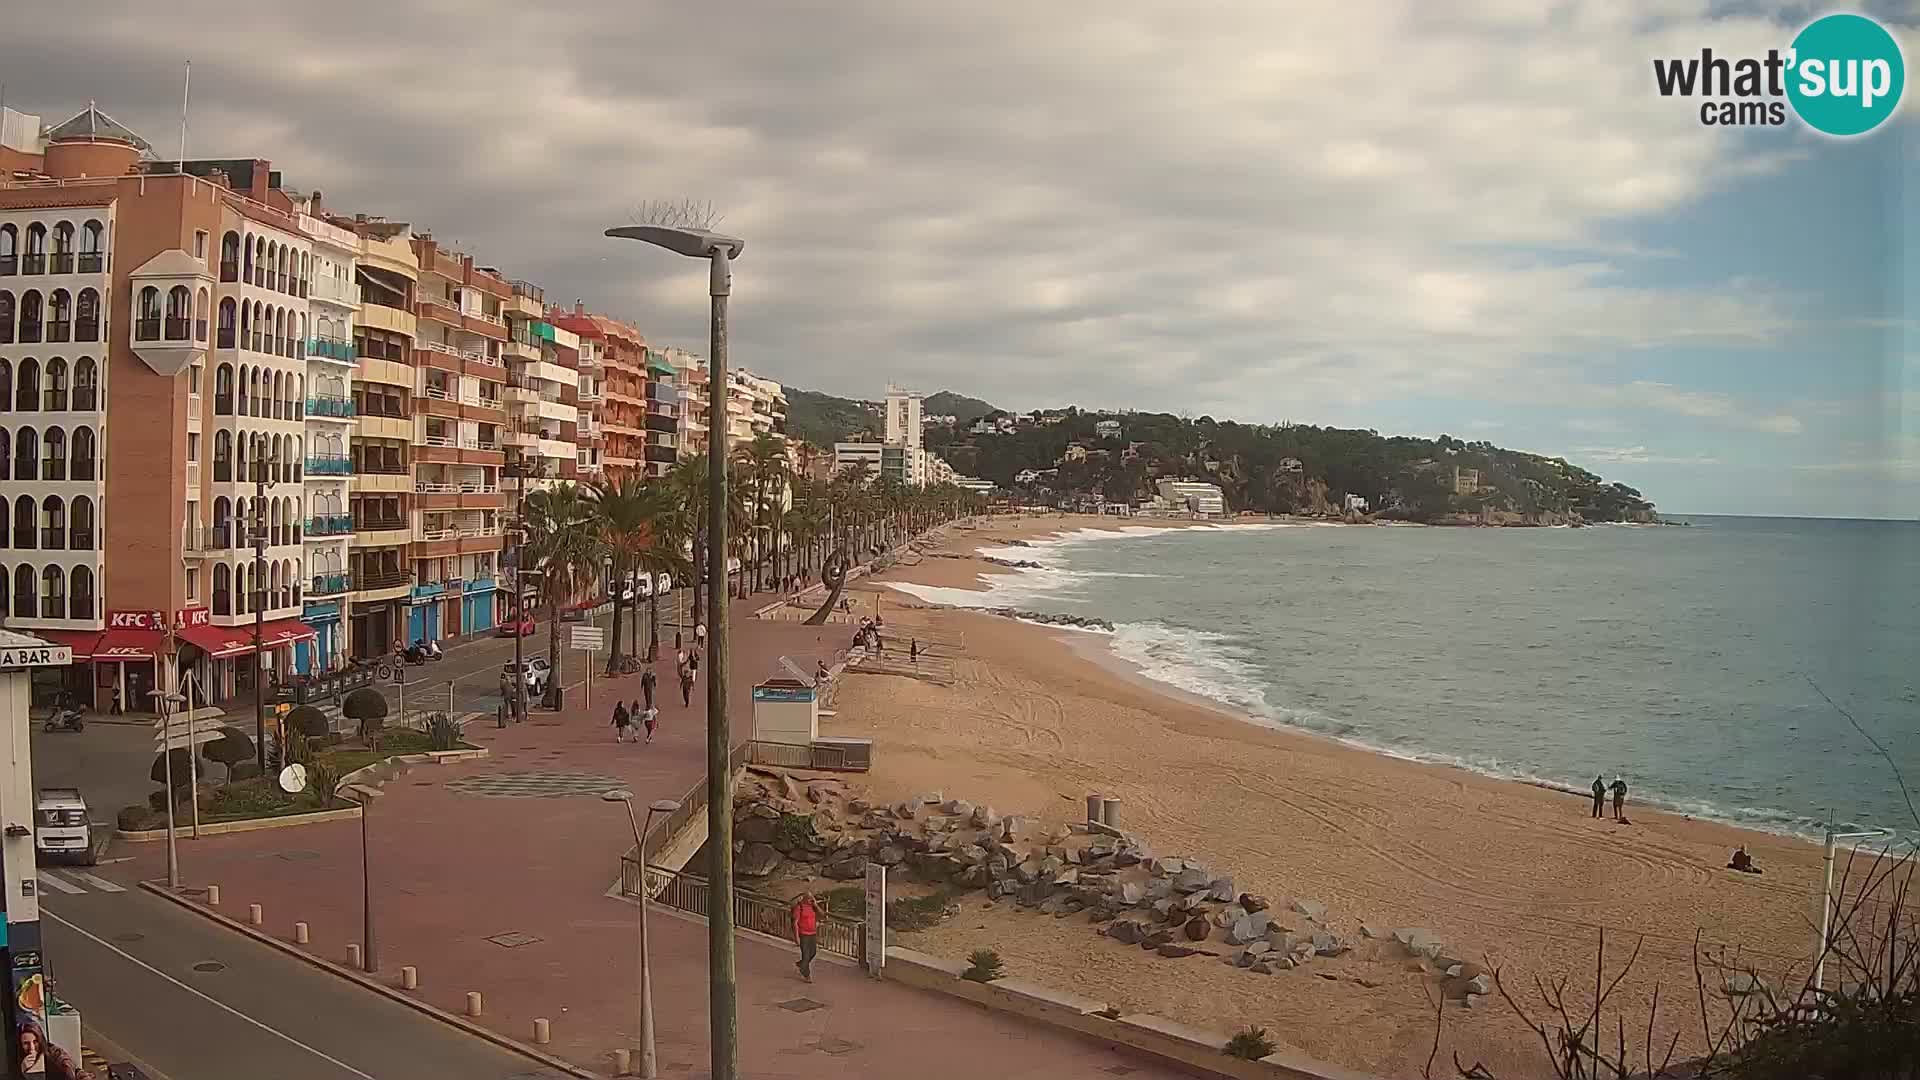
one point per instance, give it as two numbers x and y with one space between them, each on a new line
61 827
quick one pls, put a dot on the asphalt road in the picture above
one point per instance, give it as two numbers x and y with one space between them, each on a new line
199 1002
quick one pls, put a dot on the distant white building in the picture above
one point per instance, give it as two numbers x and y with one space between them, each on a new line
905 425
1027 476
977 486
1106 429
1356 503
1199 498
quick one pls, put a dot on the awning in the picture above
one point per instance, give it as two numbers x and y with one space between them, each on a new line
128 643
223 641
82 642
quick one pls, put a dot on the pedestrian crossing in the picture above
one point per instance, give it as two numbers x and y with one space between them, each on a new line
76 882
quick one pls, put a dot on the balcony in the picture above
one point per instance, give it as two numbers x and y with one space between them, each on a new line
329 465
427 590
327 348
337 407
330 525
380 579
92 262
330 584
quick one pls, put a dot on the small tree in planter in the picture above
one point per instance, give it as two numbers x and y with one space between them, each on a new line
182 776
232 748
1250 1043
368 709
322 782
308 722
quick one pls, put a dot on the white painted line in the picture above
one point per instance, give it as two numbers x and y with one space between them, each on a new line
65 886
97 882
215 1002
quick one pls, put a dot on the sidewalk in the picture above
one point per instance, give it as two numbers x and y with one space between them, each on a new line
506 896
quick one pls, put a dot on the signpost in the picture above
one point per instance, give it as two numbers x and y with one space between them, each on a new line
876 918
588 639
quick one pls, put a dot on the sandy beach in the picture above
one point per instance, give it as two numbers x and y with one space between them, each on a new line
1036 718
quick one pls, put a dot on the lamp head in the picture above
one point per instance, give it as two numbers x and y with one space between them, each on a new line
663 806
694 243
617 795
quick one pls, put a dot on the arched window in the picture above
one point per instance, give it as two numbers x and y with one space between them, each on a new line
24 513
222 455
93 248
86 316
6 317
223 390
30 317
6 386
53 593
260 261
53 455
179 311
85 453
275 398
80 603
62 248
240 466
36 258
9 250
306 269
6 456
60 316
202 302
259 326
80 531
230 257
228 324
222 589
146 319
56 396
279 332
86 385
222 521
24 592
273 262
6 532
26 454
26 392
53 523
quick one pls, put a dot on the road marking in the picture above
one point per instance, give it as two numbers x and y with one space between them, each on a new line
97 882
223 1006
53 882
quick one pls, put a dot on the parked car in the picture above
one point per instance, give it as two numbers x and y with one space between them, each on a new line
510 628
61 826
539 672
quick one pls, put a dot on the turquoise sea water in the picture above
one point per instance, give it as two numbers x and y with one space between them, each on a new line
1685 659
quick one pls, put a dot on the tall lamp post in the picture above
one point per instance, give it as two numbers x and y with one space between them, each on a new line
262 465
722 1006
1828 903
649 1062
364 796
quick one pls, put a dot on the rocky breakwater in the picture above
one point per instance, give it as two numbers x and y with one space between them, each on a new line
1084 622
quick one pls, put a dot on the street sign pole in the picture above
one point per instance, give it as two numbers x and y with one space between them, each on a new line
589 686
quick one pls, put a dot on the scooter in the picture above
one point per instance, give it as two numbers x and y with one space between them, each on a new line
420 653
70 718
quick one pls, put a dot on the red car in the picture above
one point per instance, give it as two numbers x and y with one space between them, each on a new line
523 628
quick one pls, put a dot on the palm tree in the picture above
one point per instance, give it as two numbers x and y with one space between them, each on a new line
687 480
769 474
563 545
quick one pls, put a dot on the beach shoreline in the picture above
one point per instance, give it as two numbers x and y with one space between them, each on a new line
1039 716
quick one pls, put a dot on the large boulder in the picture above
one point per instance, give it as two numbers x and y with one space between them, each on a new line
1125 930
1192 879
890 855
1248 928
959 808
1166 867
1220 889
846 867
757 860
756 830
1312 909
1197 928
984 818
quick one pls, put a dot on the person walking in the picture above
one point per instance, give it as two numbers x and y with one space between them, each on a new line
686 686
913 652
806 930
115 710
693 664
1599 796
621 718
650 719
648 680
1619 797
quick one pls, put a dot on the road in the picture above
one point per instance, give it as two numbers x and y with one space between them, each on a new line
199 1002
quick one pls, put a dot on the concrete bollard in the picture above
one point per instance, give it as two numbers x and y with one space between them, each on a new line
213 896
256 915
473 1003
301 935
353 955
1110 812
622 1061
1093 809
542 1031
409 977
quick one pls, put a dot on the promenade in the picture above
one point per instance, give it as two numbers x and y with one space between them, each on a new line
492 876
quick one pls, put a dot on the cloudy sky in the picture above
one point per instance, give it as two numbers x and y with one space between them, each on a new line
1467 217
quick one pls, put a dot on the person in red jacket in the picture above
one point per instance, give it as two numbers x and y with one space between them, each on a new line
806 927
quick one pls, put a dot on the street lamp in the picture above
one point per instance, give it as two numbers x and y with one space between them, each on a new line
165 701
649 1062
1827 903
370 957
722 1007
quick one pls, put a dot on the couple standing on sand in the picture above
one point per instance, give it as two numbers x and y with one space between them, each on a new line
1619 790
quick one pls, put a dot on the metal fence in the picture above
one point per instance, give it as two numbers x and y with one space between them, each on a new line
751 911
849 756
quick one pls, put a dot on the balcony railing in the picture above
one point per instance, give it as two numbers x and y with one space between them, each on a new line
60 330
529 289
380 579
439 440
63 263
330 584
331 348
466 487
428 589
329 405
379 524
92 262
379 467
329 525
329 465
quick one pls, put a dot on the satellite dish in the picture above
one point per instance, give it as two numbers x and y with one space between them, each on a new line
293 779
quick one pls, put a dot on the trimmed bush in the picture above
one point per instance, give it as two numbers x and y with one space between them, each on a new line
245 770
366 707
231 748
308 721
984 967
182 766
1250 1043
134 818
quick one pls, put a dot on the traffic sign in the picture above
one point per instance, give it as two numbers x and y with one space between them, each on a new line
589 638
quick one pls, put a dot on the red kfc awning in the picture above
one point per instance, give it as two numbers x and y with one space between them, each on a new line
82 642
222 641
128 643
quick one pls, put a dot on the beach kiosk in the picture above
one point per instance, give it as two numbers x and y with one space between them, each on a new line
786 711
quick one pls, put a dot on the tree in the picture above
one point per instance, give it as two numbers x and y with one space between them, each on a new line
230 749
770 475
562 544
368 709
307 721
639 526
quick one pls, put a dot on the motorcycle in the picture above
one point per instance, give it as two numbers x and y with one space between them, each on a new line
70 718
422 652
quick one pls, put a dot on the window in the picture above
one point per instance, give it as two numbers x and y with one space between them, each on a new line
9 250
84 453
200 244
179 311
53 524
86 316
81 530
200 305
36 259
53 593
6 386
53 449
223 390
30 316
193 446
146 319
86 385
222 589
92 248
60 316
193 583
26 394
6 318
56 396
224 339
24 592
193 379
80 605
23 515
222 459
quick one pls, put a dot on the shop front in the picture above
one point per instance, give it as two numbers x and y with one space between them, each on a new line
374 628
323 653
477 606
229 651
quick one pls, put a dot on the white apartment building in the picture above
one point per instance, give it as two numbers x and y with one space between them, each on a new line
1199 498
590 392
542 394
904 424
333 297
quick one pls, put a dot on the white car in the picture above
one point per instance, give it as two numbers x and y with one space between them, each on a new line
61 825
539 672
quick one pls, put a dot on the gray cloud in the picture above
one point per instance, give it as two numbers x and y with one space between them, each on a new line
1251 210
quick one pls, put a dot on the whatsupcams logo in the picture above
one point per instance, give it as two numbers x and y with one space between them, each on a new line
1843 75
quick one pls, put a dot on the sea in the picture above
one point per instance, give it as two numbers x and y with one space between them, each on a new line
1695 660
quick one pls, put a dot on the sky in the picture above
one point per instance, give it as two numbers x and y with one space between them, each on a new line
1471 218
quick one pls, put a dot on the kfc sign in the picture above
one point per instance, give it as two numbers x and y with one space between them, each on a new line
156 620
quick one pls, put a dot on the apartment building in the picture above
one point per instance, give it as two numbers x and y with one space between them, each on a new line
613 356
543 390
381 447
589 438
150 317
755 406
661 445
333 298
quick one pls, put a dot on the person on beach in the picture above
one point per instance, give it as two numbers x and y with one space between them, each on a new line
648 680
806 929
1742 862
650 720
913 652
621 718
1599 796
1619 797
